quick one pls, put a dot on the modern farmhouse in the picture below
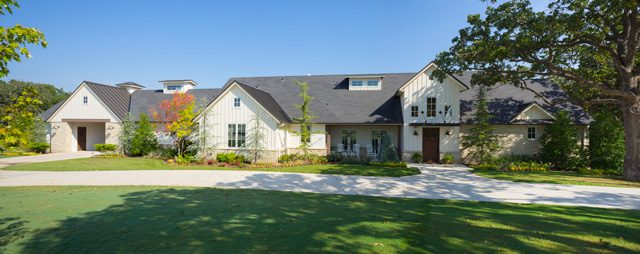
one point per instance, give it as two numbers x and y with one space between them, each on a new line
420 114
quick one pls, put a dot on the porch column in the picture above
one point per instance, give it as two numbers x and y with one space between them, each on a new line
400 128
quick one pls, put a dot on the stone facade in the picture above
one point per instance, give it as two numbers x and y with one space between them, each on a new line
112 132
61 137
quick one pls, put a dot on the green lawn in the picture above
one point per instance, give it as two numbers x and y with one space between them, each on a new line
557 177
200 220
156 164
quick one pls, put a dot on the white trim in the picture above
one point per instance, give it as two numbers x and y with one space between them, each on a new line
76 92
226 90
529 108
432 64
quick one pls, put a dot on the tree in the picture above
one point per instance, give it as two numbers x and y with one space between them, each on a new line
14 40
606 142
48 94
18 122
144 138
127 132
560 142
176 117
388 151
589 45
305 119
256 138
481 142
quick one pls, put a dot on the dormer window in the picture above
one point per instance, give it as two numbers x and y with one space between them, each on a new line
365 83
174 88
373 82
356 83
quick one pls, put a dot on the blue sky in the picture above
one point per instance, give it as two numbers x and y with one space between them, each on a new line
211 41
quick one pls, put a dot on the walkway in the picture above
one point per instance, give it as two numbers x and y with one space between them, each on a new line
45 157
435 182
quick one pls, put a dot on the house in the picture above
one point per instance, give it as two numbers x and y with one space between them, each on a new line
353 112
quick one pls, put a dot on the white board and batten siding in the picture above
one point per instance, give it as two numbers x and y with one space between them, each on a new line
415 93
534 113
75 108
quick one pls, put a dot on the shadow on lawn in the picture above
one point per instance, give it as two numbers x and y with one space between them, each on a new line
11 229
240 221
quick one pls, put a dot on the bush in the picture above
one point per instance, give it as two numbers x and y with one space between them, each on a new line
416 157
284 158
185 160
144 139
447 158
105 147
231 158
560 143
39 147
492 167
599 172
389 164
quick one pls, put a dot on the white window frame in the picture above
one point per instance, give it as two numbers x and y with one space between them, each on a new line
236 102
374 80
85 100
534 132
174 88
351 139
234 139
417 111
435 107
377 139
361 83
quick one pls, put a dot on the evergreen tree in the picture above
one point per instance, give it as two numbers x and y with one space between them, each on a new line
481 142
126 134
305 119
144 138
560 143
256 139
606 142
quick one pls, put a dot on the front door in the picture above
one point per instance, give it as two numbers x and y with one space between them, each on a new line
430 145
82 138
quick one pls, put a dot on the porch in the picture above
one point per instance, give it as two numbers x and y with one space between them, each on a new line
73 135
361 140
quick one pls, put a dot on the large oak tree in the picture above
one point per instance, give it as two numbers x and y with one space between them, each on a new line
587 45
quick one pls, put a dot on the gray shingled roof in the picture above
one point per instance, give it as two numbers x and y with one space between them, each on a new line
146 101
333 102
266 100
506 101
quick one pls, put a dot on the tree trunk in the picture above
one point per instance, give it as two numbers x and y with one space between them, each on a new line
632 142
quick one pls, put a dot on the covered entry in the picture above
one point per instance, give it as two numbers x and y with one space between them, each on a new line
86 134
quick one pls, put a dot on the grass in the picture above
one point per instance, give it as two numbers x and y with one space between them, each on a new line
202 220
557 177
91 164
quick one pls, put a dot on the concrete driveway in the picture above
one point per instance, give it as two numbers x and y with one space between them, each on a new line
45 157
435 182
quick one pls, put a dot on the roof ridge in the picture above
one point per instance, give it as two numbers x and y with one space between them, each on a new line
100 84
324 75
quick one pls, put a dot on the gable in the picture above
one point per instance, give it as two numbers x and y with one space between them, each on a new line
74 107
533 112
426 73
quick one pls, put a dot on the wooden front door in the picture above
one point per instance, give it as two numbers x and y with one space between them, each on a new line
82 138
430 145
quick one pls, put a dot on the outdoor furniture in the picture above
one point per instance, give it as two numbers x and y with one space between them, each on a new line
371 153
355 150
341 150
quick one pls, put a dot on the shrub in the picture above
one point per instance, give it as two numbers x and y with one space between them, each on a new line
560 142
110 155
144 139
447 158
232 158
606 142
284 158
222 157
105 147
416 157
485 167
185 159
389 164
39 147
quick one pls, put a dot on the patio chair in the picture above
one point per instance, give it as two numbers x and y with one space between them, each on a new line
355 151
371 153
341 150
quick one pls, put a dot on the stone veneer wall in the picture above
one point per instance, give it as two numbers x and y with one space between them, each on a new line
112 132
61 137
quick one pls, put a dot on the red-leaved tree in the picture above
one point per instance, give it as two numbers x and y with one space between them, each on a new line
175 117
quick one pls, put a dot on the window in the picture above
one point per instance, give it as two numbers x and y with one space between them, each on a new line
414 111
356 83
373 82
236 102
349 139
236 135
174 88
85 100
308 138
431 107
531 133
376 139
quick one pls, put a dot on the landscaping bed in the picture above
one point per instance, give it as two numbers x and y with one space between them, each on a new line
92 164
127 219
557 177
